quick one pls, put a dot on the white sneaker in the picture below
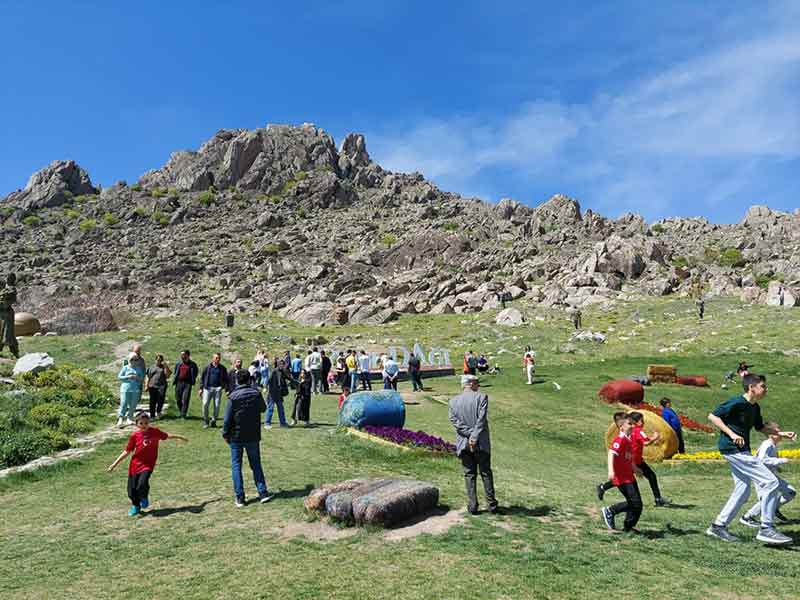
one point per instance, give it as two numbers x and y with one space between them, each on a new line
128 422
120 423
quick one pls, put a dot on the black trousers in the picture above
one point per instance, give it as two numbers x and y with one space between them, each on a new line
325 387
366 384
183 393
156 401
416 380
632 507
681 447
473 463
139 487
650 475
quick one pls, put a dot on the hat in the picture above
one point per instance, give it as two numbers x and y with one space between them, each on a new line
467 379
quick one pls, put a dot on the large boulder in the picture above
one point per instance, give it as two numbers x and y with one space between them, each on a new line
33 362
75 321
510 317
53 186
618 256
780 295
26 324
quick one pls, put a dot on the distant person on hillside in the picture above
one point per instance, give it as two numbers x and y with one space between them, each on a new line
472 363
363 371
415 372
768 454
8 297
734 419
576 318
184 377
278 389
483 364
701 308
130 384
673 420
143 443
325 371
241 430
529 364
302 400
391 373
212 381
156 384
469 414
137 362
620 472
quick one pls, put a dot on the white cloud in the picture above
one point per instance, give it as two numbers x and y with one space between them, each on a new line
698 128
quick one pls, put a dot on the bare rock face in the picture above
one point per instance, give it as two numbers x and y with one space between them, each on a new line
53 186
510 317
780 295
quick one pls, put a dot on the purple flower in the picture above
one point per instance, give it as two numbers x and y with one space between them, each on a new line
406 437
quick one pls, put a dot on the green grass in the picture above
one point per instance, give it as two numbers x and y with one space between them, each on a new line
548 454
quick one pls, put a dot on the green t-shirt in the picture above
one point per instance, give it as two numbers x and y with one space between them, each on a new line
740 416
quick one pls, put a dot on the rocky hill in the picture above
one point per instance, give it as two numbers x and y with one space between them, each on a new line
280 218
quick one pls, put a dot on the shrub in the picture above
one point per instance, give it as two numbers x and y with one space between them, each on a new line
87 224
449 226
157 193
49 414
110 220
5 212
271 248
69 386
71 213
136 187
140 211
31 221
83 198
301 212
731 257
206 198
160 218
658 228
680 261
388 239
19 447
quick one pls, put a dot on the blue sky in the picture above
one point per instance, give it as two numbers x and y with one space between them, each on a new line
672 108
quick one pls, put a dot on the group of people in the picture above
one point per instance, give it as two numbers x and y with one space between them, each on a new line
734 419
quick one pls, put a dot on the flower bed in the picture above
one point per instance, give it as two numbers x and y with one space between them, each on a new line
791 454
415 439
686 422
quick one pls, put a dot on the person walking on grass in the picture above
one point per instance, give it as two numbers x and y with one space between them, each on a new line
315 369
137 362
639 439
156 384
184 378
241 430
363 371
414 372
143 443
620 472
469 414
734 419
278 388
352 367
213 380
768 454
529 364
302 400
325 371
129 392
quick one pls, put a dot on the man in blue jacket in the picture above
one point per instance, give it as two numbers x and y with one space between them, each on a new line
241 429
213 380
673 420
184 378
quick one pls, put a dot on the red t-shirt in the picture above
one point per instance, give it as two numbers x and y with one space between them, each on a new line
342 398
144 445
638 438
622 447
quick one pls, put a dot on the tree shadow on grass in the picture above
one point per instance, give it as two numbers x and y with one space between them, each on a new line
194 509
524 511
295 493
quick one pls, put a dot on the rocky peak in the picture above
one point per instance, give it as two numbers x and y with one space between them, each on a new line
52 186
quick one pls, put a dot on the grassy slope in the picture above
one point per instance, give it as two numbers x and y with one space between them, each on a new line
65 533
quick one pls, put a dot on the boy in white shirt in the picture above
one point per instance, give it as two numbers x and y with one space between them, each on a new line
768 454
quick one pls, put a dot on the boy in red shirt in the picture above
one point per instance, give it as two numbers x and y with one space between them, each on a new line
144 445
620 472
640 439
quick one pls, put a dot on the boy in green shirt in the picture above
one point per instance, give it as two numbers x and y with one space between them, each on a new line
734 419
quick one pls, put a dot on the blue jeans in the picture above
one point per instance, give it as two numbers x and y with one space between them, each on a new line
353 380
253 450
281 414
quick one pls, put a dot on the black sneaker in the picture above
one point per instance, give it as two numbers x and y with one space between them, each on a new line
608 518
205 425
240 502
214 424
600 492
721 533
750 521
264 498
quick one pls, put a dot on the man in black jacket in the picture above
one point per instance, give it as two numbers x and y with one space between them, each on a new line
183 379
241 429
277 389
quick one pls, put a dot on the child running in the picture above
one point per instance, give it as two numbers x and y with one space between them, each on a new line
640 439
607 485
620 472
768 454
143 443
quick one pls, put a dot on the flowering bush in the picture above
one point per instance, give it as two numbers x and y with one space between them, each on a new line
685 421
794 453
405 437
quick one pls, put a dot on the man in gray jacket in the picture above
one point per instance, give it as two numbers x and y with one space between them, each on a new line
469 416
